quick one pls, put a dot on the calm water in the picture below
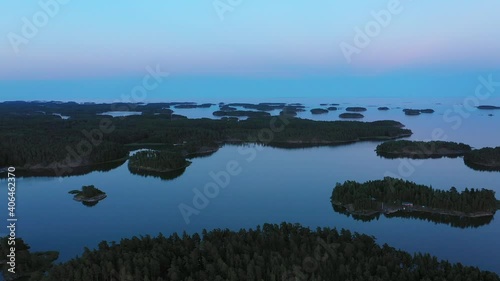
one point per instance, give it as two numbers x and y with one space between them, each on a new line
277 185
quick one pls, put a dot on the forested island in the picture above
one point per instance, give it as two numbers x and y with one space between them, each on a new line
89 195
270 252
241 113
383 108
409 111
86 140
350 115
421 149
190 106
355 109
484 159
392 196
488 107
319 111
157 161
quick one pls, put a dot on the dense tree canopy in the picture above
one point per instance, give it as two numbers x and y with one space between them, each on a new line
43 141
366 196
273 252
421 149
484 159
28 266
159 161
87 191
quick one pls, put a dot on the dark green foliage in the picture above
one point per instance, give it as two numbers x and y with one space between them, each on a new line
88 191
351 115
260 106
271 253
319 111
368 195
488 107
160 161
47 142
355 109
241 113
487 158
29 266
421 149
189 106
409 111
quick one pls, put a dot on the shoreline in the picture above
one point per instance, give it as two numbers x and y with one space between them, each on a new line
33 170
146 169
416 209
91 199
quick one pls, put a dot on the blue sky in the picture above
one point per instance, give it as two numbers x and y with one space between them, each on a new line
105 46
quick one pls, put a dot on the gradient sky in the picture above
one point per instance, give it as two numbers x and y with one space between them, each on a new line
105 43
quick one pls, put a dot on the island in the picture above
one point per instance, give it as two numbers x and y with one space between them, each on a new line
351 115
190 106
355 109
268 252
332 108
89 195
392 196
484 159
488 107
241 113
289 112
409 111
265 106
24 144
383 108
421 149
319 111
227 108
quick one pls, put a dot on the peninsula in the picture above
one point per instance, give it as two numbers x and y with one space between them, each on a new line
157 161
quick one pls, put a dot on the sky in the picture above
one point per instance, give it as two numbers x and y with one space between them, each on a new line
86 50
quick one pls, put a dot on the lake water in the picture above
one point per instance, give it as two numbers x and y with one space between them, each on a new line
276 185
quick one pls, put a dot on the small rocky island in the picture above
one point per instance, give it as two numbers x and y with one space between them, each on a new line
88 194
393 196
484 159
421 149
383 108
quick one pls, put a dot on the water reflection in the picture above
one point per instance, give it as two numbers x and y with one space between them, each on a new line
453 221
166 176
